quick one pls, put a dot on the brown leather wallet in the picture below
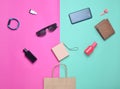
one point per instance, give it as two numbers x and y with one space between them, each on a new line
105 29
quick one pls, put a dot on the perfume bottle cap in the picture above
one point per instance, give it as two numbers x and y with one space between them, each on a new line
25 50
94 44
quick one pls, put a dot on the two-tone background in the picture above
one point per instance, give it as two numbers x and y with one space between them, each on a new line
98 71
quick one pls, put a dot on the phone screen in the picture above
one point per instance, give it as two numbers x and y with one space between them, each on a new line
80 15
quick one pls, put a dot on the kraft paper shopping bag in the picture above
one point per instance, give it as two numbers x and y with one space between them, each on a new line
60 83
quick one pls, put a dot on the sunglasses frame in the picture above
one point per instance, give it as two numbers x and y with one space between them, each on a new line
50 28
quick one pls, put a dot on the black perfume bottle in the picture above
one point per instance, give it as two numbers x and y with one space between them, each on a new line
29 55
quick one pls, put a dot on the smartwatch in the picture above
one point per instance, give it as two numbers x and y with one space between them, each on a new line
13 19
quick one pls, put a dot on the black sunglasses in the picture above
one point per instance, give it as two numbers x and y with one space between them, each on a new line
51 28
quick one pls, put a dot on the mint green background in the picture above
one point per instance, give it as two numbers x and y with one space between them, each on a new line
100 70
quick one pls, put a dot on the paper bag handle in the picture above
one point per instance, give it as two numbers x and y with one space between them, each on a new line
65 67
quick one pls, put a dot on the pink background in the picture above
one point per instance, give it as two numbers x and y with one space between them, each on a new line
16 71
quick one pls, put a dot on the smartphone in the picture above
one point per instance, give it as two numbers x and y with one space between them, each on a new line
80 15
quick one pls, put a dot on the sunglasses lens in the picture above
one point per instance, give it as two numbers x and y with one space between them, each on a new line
41 32
52 28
